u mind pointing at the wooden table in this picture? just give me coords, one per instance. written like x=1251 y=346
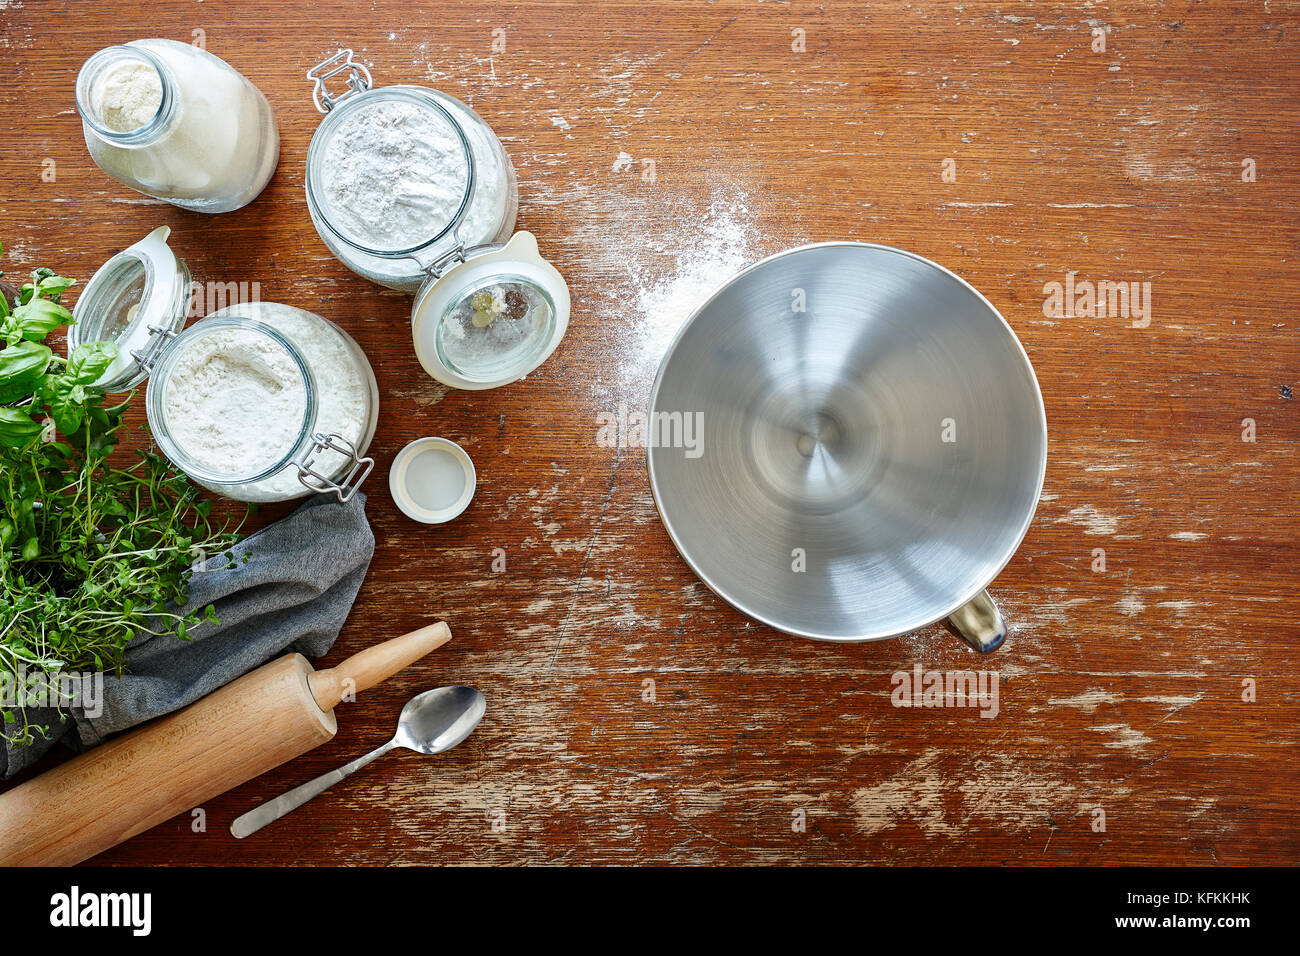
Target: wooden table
x=633 y=717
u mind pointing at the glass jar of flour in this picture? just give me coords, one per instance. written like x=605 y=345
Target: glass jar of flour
x=177 y=123
x=402 y=178
x=258 y=401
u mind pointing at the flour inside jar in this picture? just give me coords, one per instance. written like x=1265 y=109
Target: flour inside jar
x=235 y=402
x=394 y=176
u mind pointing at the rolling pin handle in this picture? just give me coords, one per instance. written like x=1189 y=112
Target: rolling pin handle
x=375 y=664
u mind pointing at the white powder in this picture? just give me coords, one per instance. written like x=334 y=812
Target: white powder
x=235 y=401
x=707 y=247
x=394 y=175
x=127 y=95
x=219 y=144
x=230 y=408
x=719 y=248
x=345 y=401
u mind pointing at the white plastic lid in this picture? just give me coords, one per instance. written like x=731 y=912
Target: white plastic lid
x=432 y=480
x=493 y=318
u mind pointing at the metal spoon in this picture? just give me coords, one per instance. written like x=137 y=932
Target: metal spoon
x=431 y=723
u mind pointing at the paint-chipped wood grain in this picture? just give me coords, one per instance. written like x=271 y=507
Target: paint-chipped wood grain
x=1120 y=690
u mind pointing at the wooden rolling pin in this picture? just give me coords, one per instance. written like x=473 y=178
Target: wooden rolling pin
x=174 y=763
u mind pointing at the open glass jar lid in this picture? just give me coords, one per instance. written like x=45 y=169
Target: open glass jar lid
x=258 y=402
x=492 y=317
x=401 y=177
x=138 y=300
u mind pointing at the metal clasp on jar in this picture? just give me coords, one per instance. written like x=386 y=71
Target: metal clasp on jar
x=436 y=266
x=350 y=482
x=158 y=339
x=358 y=82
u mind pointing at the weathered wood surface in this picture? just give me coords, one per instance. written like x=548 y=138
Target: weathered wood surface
x=1120 y=690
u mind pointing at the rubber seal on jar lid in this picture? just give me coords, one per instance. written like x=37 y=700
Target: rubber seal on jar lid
x=136 y=300
x=493 y=318
x=432 y=480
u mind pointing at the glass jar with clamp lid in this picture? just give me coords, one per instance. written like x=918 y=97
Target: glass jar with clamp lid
x=258 y=401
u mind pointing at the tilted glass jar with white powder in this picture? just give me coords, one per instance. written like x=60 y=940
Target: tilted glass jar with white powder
x=402 y=178
x=258 y=401
x=177 y=123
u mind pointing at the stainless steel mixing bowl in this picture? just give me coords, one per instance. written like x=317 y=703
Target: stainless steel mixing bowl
x=847 y=442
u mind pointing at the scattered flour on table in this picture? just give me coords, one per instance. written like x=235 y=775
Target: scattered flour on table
x=704 y=250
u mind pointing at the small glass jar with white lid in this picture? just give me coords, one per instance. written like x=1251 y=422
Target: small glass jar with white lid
x=491 y=316
x=258 y=402
x=177 y=123
x=400 y=178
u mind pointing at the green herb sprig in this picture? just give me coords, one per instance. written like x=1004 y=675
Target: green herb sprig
x=91 y=553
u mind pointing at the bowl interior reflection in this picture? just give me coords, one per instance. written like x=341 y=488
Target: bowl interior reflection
x=847 y=442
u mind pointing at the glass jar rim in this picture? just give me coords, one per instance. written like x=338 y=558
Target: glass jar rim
x=98 y=61
x=160 y=377
x=421 y=97
x=527 y=359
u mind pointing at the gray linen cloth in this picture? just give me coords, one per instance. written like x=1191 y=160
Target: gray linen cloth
x=294 y=593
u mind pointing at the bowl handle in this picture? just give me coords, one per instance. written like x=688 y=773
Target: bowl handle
x=979 y=623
